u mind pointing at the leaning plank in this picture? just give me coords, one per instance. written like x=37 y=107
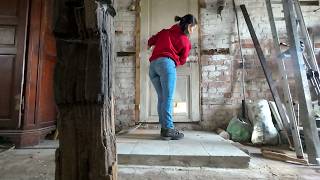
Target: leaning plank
x=281 y=156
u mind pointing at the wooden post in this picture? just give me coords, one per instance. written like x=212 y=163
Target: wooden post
x=83 y=90
x=137 y=81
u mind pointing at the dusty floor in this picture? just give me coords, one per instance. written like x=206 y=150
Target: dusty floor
x=37 y=163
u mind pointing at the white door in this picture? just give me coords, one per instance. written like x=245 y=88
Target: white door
x=156 y=15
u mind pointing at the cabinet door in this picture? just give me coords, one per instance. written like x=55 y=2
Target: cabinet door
x=46 y=108
x=40 y=110
x=13 y=19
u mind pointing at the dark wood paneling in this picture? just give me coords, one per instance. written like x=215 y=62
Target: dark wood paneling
x=39 y=114
x=13 y=23
x=6 y=66
x=8 y=35
x=8 y=42
x=9 y=7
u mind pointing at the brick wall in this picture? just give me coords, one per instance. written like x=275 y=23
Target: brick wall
x=220 y=74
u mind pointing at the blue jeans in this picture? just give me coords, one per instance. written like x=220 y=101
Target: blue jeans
x=162 y=73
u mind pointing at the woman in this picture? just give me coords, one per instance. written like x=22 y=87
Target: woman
x=171 y=49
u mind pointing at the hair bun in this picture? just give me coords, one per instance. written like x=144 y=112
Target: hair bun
x=177 y=18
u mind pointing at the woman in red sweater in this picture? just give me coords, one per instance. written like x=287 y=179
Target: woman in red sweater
x=171 y=49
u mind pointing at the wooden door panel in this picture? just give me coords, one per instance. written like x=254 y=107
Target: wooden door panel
x=7 y=62
x=9 y=7
x=45 y=106
x=7 y=37
x=9 y=11
x=13 y=22
x=40 y=105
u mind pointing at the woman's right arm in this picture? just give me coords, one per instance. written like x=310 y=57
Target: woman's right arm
x=153 y=40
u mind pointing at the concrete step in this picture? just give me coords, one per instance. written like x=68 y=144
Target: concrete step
x=197 y=149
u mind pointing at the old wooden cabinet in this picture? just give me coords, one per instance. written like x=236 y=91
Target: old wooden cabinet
x=27 y=60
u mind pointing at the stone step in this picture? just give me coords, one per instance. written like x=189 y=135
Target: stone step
x=197 y=149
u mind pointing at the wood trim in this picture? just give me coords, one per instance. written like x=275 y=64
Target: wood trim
x=23 y=138
x=45 y=129
x=9 y=20
x=137 y=68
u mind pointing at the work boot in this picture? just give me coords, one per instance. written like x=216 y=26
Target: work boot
x=171 y=134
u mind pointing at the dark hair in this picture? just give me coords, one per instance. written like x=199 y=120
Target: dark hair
x=185 y=21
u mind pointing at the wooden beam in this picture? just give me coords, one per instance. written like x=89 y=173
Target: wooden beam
x=137 y=80
x=83 y=86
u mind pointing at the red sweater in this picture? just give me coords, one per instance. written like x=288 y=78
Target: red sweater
x=172 y=43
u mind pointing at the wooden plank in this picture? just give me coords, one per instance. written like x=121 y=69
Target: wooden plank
x=281 y=156
x=267 y=73
x=137 y=80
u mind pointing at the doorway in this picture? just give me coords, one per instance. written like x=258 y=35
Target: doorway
x=156 y=15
